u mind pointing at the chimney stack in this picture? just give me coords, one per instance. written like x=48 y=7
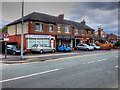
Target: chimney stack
x=99 y=32
x=83 y=22
x=61 y=16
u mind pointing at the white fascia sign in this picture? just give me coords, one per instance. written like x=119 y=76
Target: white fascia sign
x=38 y=36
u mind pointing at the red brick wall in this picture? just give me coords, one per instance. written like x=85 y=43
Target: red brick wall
x=17 y=39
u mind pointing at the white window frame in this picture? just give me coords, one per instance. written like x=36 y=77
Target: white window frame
x=76 y=30
x=50 y=27
x=58 y=28
x=82 y=31
x=67 y=28
x=40 y=26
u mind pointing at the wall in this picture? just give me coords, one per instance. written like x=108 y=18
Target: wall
x=46 y=29
x=16 y=29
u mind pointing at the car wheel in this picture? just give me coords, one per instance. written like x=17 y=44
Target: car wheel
x=87 y=49
x=14 y=53
x=77 y=48
x=41 y=51
x=53 y=50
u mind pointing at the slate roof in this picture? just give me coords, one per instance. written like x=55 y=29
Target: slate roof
x=35 y=16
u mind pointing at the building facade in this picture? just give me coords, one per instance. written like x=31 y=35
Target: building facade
x=101 y=36
x=49 y=30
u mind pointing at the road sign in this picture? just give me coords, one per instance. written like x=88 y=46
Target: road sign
x=6 y=39
x=5 y=34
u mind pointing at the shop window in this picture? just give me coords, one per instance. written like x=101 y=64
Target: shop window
x=38 y=26
x=59 y=27
x=31 y=42
x=41 y=42
x=51 y=27
x=67 y=29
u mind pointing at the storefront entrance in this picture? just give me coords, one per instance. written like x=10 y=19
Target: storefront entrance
x=64 y=40
x=43 y=40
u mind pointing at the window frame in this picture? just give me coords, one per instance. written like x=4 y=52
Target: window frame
x=67 y=28
x=50 y=27
x=75 y=30
x=40 y=26
x=58 y=27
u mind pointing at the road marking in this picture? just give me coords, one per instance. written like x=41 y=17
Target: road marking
x=91 y=62
x=96 y=61
x=63 y=58
x=102 y=60
x=26 y=76
x=116 y=66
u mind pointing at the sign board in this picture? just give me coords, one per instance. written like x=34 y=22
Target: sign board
x=5 y=34
x=64 y=37
x=6 y=39
x=38 y=36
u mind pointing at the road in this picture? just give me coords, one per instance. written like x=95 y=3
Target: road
x=97 y=70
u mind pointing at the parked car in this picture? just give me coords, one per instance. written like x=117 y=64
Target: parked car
x=42 y=48
x=64 y=48
x=84 y=47
x=96 y=47
x=14 y=50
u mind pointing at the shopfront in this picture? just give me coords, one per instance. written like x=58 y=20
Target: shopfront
x=65 y=39
x=46 y=40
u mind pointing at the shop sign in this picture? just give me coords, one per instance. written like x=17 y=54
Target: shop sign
x=64 y=37
x=38 y=36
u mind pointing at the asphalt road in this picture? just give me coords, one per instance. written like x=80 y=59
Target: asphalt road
x=98 y=70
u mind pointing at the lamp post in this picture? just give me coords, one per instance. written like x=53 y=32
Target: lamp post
x=22 y=38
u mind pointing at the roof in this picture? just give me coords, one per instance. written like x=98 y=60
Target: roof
x=35 y=16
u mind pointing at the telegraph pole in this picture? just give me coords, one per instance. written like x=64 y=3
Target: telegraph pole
x=22 y=30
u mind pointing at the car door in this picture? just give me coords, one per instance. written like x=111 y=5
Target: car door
x=80 y=46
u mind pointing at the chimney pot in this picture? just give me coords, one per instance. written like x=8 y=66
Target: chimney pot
x=61 y=16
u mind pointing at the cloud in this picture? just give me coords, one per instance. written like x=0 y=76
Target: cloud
x=97 y=14
x=3 y=23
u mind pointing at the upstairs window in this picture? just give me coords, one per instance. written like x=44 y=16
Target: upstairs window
x=50 y=27
x=82 y=31
x=59 y=27
x=67 y=29
x=92 y=32
x=38 y=26
x=87 y=31
x=76 y=30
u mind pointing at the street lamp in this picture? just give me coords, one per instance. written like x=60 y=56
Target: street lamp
x=22 y=30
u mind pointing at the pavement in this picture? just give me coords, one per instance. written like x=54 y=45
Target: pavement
x=97 y=69
x=11 y=59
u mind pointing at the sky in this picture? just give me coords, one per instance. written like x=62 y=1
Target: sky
x=96 y=14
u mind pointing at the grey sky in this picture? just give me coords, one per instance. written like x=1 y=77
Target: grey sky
x=96 y=14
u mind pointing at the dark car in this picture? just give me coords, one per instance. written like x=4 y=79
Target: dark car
x=64 y=48
x=14 y=50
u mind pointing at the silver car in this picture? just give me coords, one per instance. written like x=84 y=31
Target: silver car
x=42 y=48
x=96 y=47
x=84 y=47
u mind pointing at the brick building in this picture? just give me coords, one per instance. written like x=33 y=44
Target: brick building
x=101 y=35
x=112 y=37
x=49 y=30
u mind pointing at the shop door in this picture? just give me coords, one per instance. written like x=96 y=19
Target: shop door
x=52 y=43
